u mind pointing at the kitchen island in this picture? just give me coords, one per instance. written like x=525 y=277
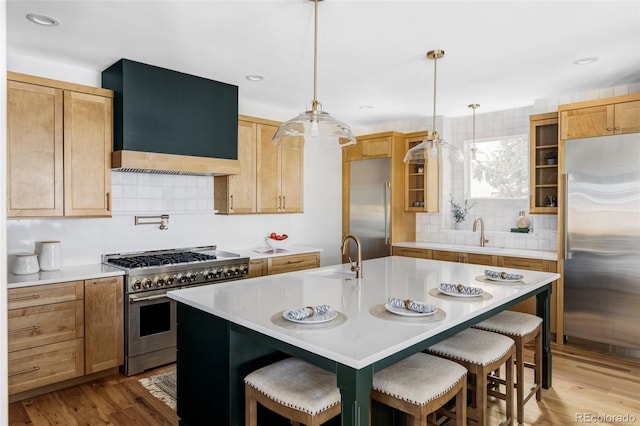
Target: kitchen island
x=227 y=330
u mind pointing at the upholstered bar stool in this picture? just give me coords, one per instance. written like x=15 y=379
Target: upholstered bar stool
x=295 y=389
x=523 y=329
x=420 y=385
x=481 y=352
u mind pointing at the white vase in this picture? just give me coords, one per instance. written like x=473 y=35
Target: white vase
x=50 y=256
x=459 y=226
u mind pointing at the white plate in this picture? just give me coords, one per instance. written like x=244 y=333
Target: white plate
x=314 y=319
x=502 y=280
x=407 y=312
x=456 y=294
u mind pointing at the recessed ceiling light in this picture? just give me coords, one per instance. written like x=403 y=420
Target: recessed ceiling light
x=365 y=107
x=585 y=61
x=45 y=20
x=254 y=77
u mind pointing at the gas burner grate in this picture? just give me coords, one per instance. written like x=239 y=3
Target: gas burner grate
x=142 y=261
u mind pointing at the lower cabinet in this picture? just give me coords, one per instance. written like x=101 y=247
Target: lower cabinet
x=63 y=331
x=529 y=305
x=282 y=264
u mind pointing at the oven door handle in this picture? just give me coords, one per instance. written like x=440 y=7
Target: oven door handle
x=134 y=299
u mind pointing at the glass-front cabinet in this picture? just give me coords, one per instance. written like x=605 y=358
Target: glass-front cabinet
x=421 y=180
x=543 y=140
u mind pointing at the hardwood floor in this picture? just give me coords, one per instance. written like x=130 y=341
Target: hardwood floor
x=585 y=383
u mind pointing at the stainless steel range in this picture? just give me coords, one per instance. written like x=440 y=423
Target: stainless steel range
x=150 y=316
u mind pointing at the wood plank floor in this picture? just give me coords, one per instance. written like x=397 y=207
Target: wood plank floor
x=585 y=383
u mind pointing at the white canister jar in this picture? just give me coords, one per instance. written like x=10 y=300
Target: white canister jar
x=50 y=255
x=25 y=263
x=523 y=222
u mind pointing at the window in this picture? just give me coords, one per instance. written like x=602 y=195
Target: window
x=500 y=168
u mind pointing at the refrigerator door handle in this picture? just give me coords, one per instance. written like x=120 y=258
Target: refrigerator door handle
x=387 y=209
x=565 y=215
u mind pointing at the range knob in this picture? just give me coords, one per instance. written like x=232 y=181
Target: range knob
x=192 y=277
x=228 y=272
x=137 y=285
x=236 y=271
x=148 y=283
x=245 y=269
x=170 y=280
x=209 y=275
x=183 y=279
x=219 y=273
x=160 y=282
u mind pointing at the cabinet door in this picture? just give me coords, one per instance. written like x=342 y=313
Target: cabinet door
x=34 y=150
x=268 y=178
x=412 y=252
x=543 y=170
x=481 y=259
x=291 y=166
x=88 y=142
x=627 y=117
x=242 y=187
x=587 y=122
x=257 y=268
x=104 y=333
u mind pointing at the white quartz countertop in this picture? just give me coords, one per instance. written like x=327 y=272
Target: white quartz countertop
x=361 y=338
x=69 y=273
x=266 y=252
x=498 y=251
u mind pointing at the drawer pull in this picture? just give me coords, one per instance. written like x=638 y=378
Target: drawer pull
x=31 y=296
x=29 y=370
x=113 y=280
x=21 y=330
x=290 y=262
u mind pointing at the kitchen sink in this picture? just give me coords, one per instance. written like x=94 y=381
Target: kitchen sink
x=334 y=274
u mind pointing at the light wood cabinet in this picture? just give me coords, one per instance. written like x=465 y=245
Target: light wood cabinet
x=376 y=146
x=601 y=117
x=257 y=268
x=412 y=252
x=295 y=262
x=461 y=257
x=104 y=328
x=45 y=335
x=59 y=148
x=543 y=157
x=422 y=181
x=271 y=177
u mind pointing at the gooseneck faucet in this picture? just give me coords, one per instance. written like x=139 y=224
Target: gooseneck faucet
x=483 y=240
x=357 y=267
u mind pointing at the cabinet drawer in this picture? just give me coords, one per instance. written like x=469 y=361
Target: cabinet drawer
x=36 y=295
x=42 y=325
x=412 y=252
x=521 y=263
x=32 y=368
x=279 y=265
x=257 y=268
x=481 y=259
x=378 y=147
x=449 y=256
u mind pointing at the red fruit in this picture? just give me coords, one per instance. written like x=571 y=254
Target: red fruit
x=285 y=236
x=273 y=235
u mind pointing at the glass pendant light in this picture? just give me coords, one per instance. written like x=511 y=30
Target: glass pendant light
x=474 y=148
x=315 y=122
x=430 y=146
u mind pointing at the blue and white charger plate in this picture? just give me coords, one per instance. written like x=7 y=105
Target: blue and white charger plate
x=313 y=319
x=408 y=312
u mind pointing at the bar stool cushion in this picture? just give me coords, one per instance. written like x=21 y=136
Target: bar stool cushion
x=295 y=383
x=475 y=346
x=511 y=323
x=419 y=379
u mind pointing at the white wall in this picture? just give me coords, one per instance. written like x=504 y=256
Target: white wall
x=4 y=416
x=191 y=223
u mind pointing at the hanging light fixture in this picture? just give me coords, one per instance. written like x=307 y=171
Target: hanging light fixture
x=428 y=147
x=315 y=122
x=474 y=148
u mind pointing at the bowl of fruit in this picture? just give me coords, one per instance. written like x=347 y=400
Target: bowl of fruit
x=277 y=241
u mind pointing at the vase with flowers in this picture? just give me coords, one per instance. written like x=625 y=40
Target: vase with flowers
x=460 y=211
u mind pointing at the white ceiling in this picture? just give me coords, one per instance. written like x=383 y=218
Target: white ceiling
x=500 y=54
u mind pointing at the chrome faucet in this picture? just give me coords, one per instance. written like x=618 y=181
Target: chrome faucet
x=483 y=240
x=357 y=268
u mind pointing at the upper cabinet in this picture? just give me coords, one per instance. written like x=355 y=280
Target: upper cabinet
x=543 y=172
x=601 y=117
x=59 y=143
x=422 y=181
x=271 y=177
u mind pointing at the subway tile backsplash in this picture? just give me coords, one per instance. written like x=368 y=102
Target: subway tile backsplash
x=160 y=193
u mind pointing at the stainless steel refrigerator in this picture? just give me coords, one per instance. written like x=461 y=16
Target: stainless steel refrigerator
x=370 y=206
x=602 y=239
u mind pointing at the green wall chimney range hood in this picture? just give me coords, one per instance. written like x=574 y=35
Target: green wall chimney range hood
x=170 y=122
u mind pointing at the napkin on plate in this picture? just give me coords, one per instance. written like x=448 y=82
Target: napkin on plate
x=308 y=311
x=411 y=305
x=502 y=275
x=462 y=289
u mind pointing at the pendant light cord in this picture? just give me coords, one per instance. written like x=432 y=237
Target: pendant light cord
x=435 y=71
x=314 y=103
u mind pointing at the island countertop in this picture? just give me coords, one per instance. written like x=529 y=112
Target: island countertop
x=362 y=337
